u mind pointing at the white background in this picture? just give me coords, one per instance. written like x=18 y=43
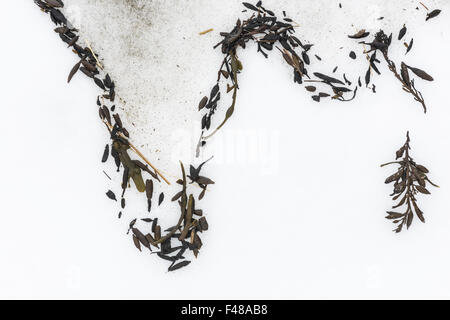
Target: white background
x=309 y=223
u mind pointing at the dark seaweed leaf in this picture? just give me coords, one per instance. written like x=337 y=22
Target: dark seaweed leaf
x=421 y=74
x=250 y=6
x=402 y=32
x=105 y=154
x=410 y=45
x=179 y=265
x=111 y=195
x=360 y=34
x=433 y=14
x=149 y=189
x=137 y=243
x=408 y=181
x=327 y=78
x=74 y=70
x=99 y=83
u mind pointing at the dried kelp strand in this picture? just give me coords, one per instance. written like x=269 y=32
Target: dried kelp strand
x=305 y=57
x=54 y=3
x=335 y=69
x=402 y=32
x=382 y=43
x=421 y=74
x=161 y=198
x=433 y=14
x=105 y=154
x=148 y=220
x=111 y=195
x=122 y=203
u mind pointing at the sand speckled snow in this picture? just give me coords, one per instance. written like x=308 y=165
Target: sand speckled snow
x=162 y=66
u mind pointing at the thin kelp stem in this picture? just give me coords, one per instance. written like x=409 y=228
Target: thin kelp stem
x=236 y=67
x=406 y=87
